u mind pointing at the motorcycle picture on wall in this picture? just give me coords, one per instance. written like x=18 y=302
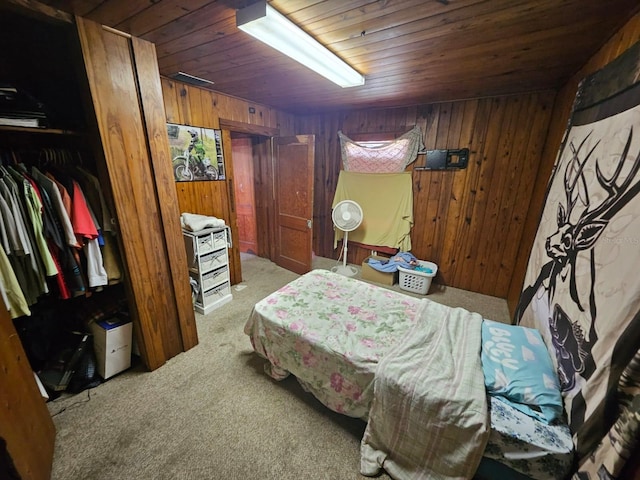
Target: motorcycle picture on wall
x=196 y=153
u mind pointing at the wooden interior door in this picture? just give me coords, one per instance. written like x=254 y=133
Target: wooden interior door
x=293 y=170
x=135 y=163
x=25 y=423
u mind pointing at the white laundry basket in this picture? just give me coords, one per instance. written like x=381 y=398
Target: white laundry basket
x=416 y=281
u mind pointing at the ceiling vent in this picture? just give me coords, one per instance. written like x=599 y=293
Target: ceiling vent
x=191 y=80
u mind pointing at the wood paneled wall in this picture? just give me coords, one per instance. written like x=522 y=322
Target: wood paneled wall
x=476 y=224
x=628 y=35
x=186 y=104
x=189 y=105
x=470 y=221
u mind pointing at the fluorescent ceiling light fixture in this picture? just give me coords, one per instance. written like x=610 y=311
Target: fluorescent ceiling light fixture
x=263 y=22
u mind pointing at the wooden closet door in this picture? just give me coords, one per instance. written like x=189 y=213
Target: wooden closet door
x=25 y=422
x=125 y=90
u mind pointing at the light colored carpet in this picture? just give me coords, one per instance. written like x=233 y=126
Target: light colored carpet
x=211 y=412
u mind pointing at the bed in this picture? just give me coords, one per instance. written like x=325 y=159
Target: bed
x=370 y=353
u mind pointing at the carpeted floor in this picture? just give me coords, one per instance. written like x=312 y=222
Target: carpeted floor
x=211 y=412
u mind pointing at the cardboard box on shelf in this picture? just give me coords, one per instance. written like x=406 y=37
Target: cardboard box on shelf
x=373 y=275
x=112 y=340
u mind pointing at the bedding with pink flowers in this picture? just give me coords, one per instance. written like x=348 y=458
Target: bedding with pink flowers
x=330 y=332
x=336 y=335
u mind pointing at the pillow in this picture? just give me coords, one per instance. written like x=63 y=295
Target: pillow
x=518 y=369
x=386 y=159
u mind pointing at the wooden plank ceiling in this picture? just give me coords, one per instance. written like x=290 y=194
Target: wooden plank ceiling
x=410 y=51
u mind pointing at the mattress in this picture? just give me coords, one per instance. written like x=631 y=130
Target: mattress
x=331 y=331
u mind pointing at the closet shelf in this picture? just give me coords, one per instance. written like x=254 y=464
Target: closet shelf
x=38 y=130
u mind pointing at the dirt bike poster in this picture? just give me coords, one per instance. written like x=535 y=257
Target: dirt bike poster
x=196 y=153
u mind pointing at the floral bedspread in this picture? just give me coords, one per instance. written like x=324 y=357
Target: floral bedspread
x=330 y=331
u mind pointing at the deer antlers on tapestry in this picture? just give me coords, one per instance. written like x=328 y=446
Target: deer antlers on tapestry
x=578 y=230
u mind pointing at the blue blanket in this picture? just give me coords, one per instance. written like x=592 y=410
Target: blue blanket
x=403 y=259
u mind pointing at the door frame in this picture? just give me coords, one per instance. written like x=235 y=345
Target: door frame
x=266 y=195
x=268 y=133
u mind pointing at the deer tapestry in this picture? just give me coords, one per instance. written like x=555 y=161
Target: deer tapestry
x=582 y=287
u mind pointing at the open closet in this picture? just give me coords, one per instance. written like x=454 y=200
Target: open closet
x=100 y=93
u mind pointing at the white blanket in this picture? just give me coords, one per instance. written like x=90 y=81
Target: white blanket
x=195 y=222
x=429 y=416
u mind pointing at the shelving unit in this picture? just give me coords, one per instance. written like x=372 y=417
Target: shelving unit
x=38 y=130
x=208 y=262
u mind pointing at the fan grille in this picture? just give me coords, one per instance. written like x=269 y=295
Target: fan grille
x=347 y=215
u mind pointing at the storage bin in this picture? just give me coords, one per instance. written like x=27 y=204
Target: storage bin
x=215 y=295
x=416 y=281
x=370 y=273
x=214 y=278
x=213 y=260
x=205 y=244
x=220 y=240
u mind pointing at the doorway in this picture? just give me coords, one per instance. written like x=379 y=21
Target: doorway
x=243 y=184
x=251 y=159
x=272 y=191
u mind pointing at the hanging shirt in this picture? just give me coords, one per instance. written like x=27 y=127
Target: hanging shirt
x=70 y=280
x=56 y=200
x=104 y=221
x=111 y=259
x=20 y=244
x=21 y=189
x=65 y=194
x=95 y=198
x=96 y=274
x=83 y=225
x=26 y=264
x=9 y=229
x=16 y=302
x=34 y=210
x=86 y=231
